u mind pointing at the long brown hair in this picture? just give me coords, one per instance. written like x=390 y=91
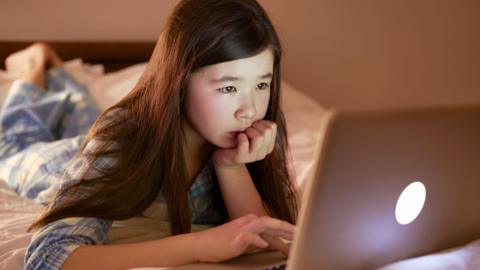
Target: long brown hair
x=146 y=128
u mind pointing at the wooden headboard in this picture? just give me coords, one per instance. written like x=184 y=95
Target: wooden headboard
x=114 y=55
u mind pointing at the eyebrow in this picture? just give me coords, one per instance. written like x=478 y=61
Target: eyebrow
x=231 y=78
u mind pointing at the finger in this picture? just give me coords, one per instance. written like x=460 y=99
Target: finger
x=284 y=235
x=264 y=127
x=248 y=238
x=271 y=129
x=264 y=223
x=253 y=249
x=274 y=137
x=272 y=145
x=257 y=141
x=245 y=219
x=277 y=244
x=243 y=144
x=278 y=224
x=249 y=249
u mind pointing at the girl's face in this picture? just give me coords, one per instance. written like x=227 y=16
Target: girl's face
x=228 y=97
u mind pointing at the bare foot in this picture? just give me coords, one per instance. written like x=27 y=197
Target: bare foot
x=53 y=60
x=30 y=64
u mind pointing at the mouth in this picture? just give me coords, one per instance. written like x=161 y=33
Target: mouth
x=234 y=134
x=240 y=130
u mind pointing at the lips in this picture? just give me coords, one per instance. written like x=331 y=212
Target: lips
x=235 y=133
x=241 y=130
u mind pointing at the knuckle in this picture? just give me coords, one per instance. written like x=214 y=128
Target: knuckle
x=264 y=219
x=242 y=237
x=248 y=218
x=252 y=133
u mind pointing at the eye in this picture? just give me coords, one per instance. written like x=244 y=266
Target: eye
x=227 y=89
x=265 y=86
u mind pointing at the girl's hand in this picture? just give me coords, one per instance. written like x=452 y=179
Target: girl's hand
x=235 y=237
x=262 y=135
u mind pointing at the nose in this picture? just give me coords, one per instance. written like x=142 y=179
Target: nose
x=247 y=110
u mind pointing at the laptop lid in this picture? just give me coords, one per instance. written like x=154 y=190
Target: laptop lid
x=348 y=214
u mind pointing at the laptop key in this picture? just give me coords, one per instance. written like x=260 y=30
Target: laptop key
x=277 y=267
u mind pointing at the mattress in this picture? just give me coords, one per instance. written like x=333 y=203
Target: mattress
x=303 y=116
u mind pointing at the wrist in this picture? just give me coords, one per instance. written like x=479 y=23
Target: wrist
x=197 y=249
x=228 y=168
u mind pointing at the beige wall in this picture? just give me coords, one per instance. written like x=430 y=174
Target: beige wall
x=83 y=19
x=358 y=54
x=344 y=53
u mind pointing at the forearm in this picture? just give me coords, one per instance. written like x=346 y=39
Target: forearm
x=239 y=192
x=166 y=252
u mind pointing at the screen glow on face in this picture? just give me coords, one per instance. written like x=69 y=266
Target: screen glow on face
x=410 y=203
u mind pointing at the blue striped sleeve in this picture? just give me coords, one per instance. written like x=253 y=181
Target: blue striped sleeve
x=54 y=242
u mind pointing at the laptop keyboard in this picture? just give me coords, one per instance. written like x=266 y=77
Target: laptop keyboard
x=277 y=267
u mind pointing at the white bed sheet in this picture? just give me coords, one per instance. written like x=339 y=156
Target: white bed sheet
x=303 y=117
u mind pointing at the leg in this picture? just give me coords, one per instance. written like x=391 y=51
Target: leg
x=37 y=172
x=29 y=64
x=82 y=110
x=32 y=158
x=30 y=114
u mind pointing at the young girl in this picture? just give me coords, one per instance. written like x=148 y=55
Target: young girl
x=201 y=132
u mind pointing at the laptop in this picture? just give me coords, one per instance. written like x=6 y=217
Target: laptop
x=372 y=163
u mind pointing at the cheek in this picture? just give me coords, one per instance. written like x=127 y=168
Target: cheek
x=216 y=117
x=263 y=105
x=208 y=113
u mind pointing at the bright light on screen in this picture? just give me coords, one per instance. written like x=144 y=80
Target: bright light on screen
x=410 y=203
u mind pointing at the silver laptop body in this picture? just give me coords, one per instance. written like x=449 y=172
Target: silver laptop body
x=347 y=218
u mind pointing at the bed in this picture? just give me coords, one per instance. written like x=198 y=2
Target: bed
x=110 y=70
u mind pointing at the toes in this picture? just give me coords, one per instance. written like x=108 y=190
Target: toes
x=29 y=64
x=51 y=57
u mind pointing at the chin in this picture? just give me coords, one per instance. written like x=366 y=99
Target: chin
x=225 y=142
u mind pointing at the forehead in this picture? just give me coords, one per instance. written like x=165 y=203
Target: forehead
x=248 y=68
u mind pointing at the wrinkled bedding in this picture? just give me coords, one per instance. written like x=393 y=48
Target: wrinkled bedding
x=303 y=117
x=16 y=213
